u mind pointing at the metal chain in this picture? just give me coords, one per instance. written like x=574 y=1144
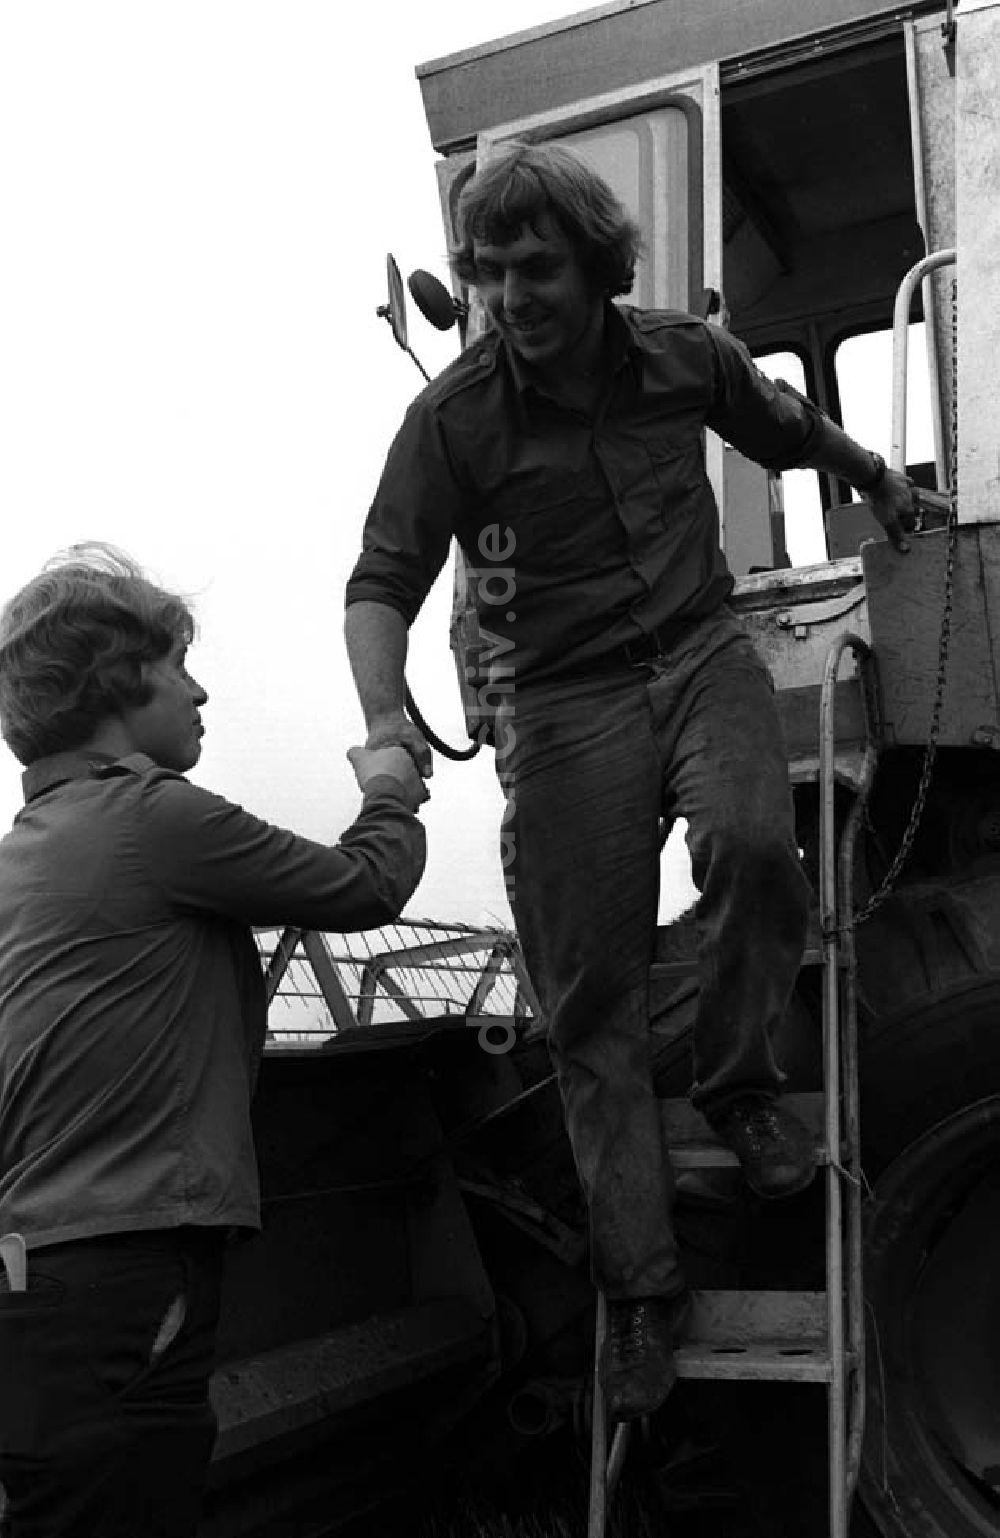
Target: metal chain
x=906 y=845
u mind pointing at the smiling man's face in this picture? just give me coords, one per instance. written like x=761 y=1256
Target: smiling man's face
x=540 y=298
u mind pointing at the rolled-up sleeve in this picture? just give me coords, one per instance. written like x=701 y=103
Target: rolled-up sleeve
x=751 y=412
x=415 y=512
x=208 y=854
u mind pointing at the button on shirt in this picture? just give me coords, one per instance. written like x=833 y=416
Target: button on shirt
x=581 y=533
x=132 y=1006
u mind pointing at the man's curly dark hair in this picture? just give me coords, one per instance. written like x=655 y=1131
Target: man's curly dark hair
x=523 y=182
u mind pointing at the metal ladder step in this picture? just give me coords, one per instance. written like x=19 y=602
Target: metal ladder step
x=682 y=970
x=813 y=954
x=848 y=769
x=799 y=710
x=761 y=1336
x=693 y=1145
x=738 y=1336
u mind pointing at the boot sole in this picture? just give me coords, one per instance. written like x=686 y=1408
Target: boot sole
x=793 y=1189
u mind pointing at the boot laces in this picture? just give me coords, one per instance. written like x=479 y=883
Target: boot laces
x=627 y=1326
x=761 y=1122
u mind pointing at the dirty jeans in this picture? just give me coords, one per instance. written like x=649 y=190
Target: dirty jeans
x=588 y=769
x=106 y=1430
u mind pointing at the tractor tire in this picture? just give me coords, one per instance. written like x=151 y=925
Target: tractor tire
x=930 y=1117
x=931 y=1128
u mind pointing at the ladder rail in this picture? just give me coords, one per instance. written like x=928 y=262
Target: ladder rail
x=605 y=1466
x=840 y=1079
x=598 y=1427
x=852 y=1159
x=850 y=1075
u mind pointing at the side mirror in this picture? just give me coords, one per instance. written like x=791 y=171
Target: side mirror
x=432 y=299
x=395 y=310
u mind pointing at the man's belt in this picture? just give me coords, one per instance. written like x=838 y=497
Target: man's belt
x=628 y=654
x=652 y=644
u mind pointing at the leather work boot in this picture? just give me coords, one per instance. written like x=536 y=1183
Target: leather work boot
x=639 y=1369
x=774 y=1149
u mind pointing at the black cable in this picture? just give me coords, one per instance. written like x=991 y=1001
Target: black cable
x=459 y=755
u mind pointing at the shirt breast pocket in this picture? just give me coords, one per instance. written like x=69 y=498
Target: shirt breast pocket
x=557 y=523
x=674 y=468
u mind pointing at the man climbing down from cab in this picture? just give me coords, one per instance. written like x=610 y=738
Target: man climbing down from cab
x=564 y=451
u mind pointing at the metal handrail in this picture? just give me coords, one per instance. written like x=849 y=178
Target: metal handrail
x=900 y=346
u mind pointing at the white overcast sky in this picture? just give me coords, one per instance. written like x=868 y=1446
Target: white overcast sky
x=197 y=200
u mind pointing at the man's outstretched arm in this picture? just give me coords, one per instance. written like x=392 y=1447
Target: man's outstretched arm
x=376 y=635
x=890 y=497
x=771 y=422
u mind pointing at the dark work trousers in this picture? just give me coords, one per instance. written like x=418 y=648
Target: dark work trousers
x=588 y=769
x=106 y=1430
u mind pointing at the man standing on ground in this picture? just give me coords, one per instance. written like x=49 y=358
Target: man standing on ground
x=132 y=1022
x=564 y=451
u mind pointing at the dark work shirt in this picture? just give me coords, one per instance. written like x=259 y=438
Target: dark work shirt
x=581 y=532
x=132 y=1005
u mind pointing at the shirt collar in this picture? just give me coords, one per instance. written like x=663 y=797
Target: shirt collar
x=59 y=768
x=635 y=344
